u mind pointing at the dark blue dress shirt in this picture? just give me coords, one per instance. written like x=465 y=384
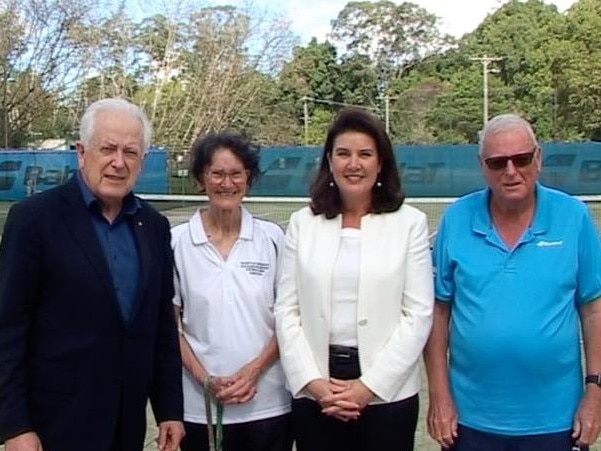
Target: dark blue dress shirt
x=119 y=246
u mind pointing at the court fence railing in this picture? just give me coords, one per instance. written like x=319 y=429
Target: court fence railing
x=179 y=208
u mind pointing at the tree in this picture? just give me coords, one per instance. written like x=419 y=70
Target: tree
x=310 y=80
x=358 y=81
x=394 y=37
x=576 y=68
x=38 y=62
x=526 y=35
x=410 y=108
x=209 y=71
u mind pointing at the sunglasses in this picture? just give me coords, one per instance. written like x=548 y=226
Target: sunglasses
x=519 y=160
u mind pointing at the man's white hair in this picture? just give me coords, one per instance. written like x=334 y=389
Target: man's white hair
x=88 y=120
x=503 y=123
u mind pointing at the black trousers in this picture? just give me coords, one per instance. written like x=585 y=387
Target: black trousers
x=117 y=444
x=381 y=427
x=271 y=434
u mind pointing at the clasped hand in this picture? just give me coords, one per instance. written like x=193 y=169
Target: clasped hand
x=238 y=388
x=341 y=399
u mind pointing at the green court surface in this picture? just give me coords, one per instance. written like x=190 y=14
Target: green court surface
x=279 y=212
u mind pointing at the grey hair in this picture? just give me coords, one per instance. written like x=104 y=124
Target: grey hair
x=88 y=120
x=504 y=123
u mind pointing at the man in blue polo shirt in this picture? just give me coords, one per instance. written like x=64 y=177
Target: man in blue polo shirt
x=518 y=273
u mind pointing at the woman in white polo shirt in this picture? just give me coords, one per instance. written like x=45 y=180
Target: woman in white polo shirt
x=226 y=274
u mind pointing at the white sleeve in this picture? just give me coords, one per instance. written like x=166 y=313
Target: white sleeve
x=295 y=352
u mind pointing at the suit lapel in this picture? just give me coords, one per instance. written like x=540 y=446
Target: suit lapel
x=140 y=226
x=79 y=222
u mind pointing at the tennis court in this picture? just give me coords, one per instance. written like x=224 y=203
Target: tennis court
x=279 y=209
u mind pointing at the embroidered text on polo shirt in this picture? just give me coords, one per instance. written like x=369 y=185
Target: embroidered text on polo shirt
x=255 y=268
x=543 y=243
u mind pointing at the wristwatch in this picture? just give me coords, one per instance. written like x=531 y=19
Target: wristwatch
x=593 y=379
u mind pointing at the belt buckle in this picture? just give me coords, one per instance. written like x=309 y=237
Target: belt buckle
x=340 y=351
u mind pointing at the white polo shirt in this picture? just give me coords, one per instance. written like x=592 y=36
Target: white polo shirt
x=227 y=312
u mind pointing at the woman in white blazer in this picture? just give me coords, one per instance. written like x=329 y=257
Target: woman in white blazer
x=355 y=298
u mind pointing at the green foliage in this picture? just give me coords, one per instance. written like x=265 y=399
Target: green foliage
x=358 y=81
x=318 y=126
x=392 y=35
x=529 y=37
x=577 y=72
x=222 y=67
x=312 y=72
x=410 y=109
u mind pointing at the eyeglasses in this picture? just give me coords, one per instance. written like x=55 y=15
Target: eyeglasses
x=519 y=160
x=218 y=177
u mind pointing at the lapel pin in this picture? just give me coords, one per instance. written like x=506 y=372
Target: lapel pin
x=139 y=223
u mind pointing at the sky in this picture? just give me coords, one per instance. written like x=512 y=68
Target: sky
x=311 y=18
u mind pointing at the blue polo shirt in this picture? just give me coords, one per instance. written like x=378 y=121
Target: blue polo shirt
x=514 y=333
x=119 y=246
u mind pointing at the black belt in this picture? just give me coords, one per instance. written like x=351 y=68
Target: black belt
x=344 y=352
x=344 y=362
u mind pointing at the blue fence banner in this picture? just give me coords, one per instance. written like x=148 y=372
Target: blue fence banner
x=426 y=171
x=434 y=171
x=26 y=172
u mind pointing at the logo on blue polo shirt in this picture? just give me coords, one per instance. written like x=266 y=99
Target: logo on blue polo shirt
x=543 y=243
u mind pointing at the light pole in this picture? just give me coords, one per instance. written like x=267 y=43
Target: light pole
x=387 y=113
x=306 y=119
x=5 y=123
x=386 y=100
x=485 y=60
x=4 y=106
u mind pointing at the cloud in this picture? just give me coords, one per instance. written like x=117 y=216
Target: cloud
x=311 y=18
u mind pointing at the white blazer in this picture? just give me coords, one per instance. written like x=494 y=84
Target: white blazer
x=395 y=303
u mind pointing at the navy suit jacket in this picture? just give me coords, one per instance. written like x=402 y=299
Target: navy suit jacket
x=70 y=367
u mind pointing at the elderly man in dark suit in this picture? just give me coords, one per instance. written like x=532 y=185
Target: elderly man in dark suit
x=87 y=330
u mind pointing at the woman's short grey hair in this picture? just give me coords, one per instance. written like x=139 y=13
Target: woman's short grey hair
x=503 y=123
x=88 y=120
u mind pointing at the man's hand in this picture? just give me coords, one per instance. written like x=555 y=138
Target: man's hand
x=587 y=420
x=442 y=419
x=29 y=441
x=170 y=434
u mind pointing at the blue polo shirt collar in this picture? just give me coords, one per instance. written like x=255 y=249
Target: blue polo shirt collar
x=542 y=215
x=482 y=220
x=131 y=204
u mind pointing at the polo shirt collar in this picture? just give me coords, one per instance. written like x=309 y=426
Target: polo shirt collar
x=199 y=236
x=130 y=206
x=542 y=214
x=482 y=220
x=197 y=230
x=246 y=228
